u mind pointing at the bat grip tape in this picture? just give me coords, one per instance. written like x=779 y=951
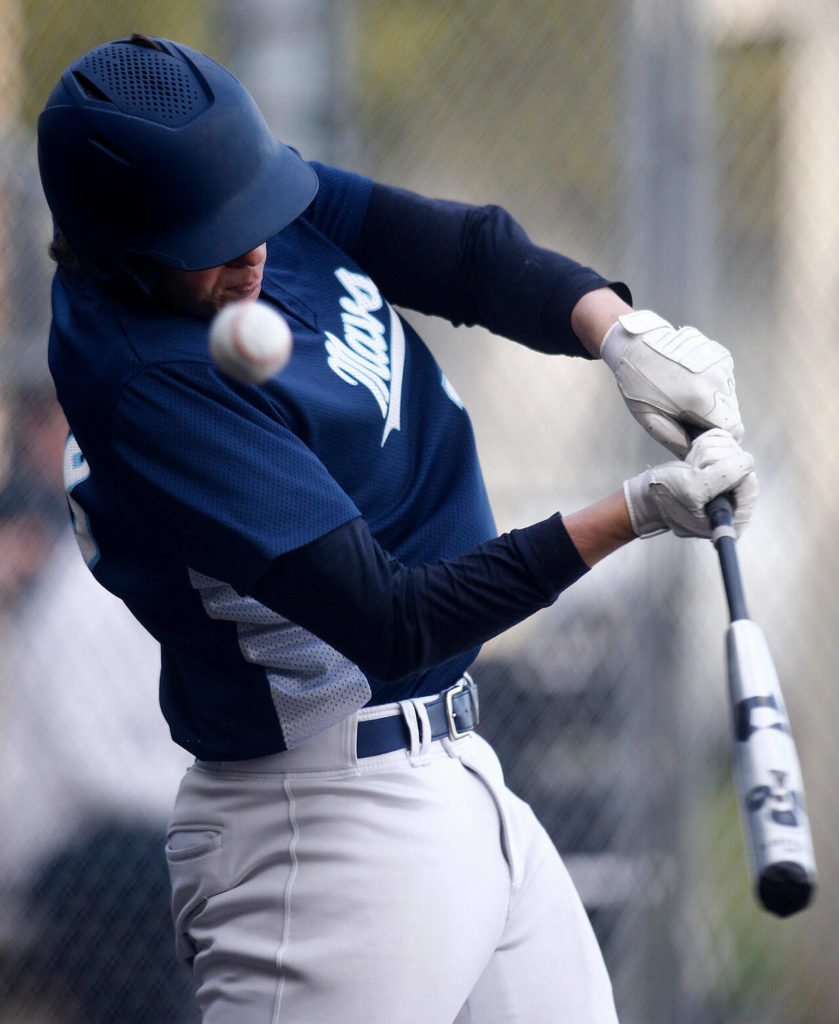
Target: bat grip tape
x=721 y=515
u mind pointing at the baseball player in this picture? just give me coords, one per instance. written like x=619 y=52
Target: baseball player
x=317 y=556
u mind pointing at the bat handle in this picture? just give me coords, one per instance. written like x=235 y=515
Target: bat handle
x=721 y=514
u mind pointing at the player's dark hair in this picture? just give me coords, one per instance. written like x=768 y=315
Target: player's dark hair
x=147 y=41
x=63 y=253
x=145 y=270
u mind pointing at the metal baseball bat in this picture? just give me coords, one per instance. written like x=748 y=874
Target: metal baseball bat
x=767 y=775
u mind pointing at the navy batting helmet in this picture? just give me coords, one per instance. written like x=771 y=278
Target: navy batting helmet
x=150 y=149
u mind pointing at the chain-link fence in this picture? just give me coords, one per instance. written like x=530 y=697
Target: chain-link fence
x=689 y=147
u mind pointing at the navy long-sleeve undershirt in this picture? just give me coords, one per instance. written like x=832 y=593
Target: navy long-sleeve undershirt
x=394 y=621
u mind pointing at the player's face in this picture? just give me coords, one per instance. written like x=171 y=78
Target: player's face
x=206 y=291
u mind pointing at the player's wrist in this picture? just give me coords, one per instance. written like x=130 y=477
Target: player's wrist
x=641 y=507
x=601 y=528
x=594 y=314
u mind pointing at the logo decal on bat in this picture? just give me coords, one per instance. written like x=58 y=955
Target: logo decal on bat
x=755 y=713
x=784 y=803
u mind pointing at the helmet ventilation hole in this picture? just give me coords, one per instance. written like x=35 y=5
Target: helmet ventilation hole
x=142 y=82
x=90 y=90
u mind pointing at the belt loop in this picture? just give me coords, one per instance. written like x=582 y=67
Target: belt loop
x=410 y=715
x=426 y=736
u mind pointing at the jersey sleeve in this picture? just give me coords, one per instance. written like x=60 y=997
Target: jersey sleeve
x=475 y=266
x=340 y=206
x=213 y=470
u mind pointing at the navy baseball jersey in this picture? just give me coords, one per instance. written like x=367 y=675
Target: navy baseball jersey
x=186 y=486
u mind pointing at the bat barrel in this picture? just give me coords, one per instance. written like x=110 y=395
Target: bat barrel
x=768 y=782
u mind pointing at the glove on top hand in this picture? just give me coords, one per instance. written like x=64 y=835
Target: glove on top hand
x=673 y=496
x=669 y=378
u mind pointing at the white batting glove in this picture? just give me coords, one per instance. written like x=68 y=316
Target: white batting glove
x=673 y=496
x=669 y=378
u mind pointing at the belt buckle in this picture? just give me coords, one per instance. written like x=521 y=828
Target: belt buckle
x=451 y=714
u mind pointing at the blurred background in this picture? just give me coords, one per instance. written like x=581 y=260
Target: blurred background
x=687 y=147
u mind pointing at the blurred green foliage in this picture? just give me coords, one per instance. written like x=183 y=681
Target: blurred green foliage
x=55 y=34
x=503 y=94
x=749 y=87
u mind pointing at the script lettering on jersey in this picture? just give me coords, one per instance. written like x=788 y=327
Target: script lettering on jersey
x=362 y=356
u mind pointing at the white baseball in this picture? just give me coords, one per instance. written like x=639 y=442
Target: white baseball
x=250 y=341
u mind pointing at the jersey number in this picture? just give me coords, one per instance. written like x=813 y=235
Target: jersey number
x=76 y=471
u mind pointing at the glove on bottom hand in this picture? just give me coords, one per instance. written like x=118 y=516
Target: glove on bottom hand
x=673 y=496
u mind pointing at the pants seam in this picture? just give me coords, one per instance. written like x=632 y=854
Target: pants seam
x=292 y=875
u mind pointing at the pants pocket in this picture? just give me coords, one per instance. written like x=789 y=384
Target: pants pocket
x=194 y=854
x=188 y=841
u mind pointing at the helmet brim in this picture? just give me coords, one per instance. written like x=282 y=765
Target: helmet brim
x=275 y=198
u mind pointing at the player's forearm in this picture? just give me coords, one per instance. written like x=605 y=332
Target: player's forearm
x=394 y=620
x=601 y=528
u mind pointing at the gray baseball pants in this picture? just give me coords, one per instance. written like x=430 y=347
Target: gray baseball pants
x=317 y=887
